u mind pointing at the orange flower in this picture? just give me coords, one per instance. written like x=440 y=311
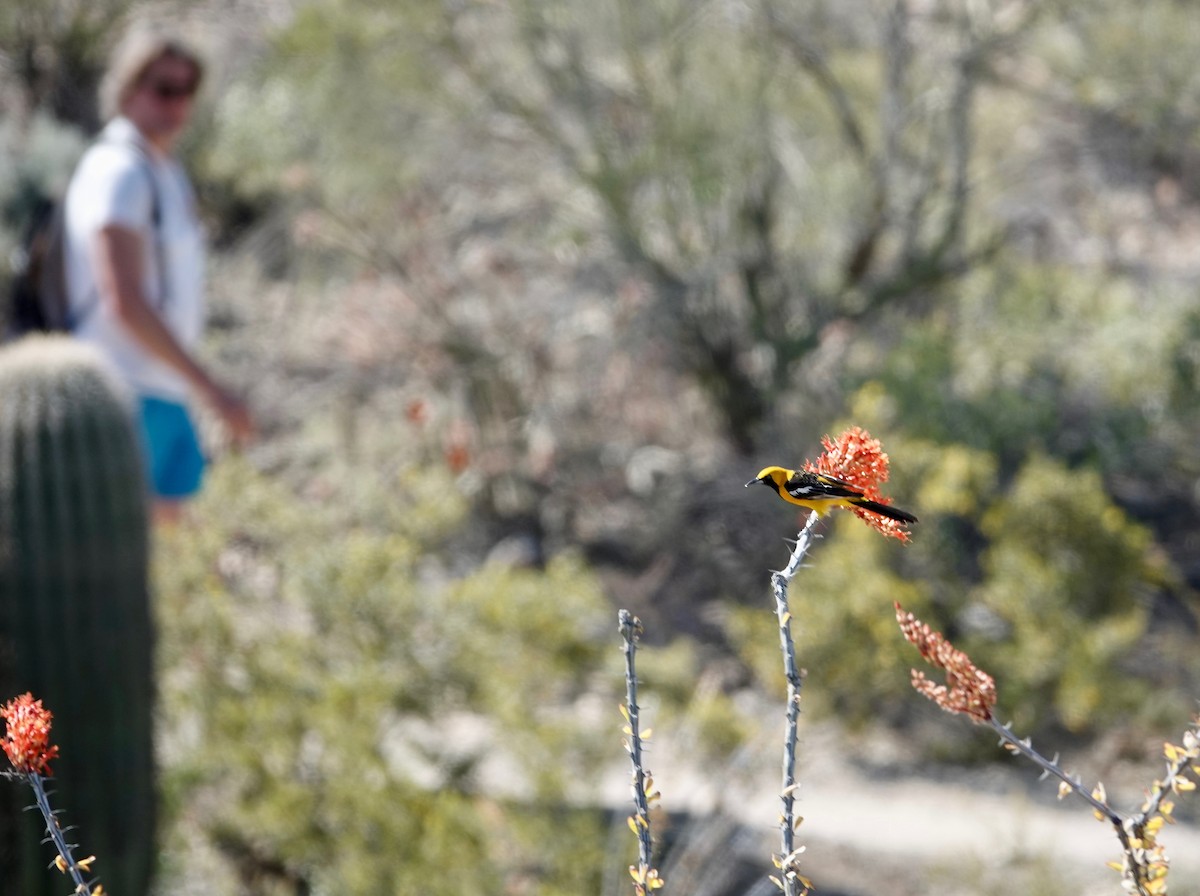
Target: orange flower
x=27 y=740
x=860 y=460
x=968 y=689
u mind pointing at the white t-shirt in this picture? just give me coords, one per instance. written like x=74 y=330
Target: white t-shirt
x=112 y=185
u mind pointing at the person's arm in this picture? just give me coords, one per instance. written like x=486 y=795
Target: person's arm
x=118 y=263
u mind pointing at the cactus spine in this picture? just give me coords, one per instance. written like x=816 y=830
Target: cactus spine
x=75 y=616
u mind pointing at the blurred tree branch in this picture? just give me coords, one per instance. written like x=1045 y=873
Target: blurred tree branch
x=706 y=209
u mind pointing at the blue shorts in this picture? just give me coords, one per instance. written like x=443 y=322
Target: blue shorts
x=174 y=462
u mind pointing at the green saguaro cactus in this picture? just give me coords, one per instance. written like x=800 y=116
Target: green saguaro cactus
x=75 y=616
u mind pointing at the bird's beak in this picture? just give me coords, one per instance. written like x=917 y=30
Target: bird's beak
x=751 y=482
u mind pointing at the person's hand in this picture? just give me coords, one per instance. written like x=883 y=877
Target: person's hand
x=234 y=413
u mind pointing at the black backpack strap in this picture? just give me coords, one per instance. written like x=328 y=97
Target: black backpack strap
x=52 y=272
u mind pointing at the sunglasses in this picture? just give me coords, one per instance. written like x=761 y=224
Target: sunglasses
x=172 y=90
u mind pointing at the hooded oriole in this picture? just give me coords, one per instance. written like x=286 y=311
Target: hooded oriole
x=822 y=493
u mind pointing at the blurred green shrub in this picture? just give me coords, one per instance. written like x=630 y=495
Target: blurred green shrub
x=1038 y=357
x=337 y=700
x=1067 y=578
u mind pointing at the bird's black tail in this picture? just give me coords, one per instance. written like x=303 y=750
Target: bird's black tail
x=892 y=513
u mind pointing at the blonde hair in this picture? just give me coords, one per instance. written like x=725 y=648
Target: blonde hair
x=140 y=49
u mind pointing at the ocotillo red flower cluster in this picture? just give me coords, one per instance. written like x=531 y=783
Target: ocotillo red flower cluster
x=968 y=689
x=858 y=459
x=27 y=735
x=27 y=744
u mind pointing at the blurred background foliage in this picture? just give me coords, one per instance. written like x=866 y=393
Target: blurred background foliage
x=334 y=700
x=524 y=291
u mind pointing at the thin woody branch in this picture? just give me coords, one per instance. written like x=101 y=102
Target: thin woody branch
x=645 y=876
x=792 y=883
x=971 y=692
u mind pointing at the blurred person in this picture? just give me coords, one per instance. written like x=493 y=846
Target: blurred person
x=135 y=257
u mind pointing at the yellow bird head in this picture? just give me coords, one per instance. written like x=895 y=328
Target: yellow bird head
x=774 y=477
